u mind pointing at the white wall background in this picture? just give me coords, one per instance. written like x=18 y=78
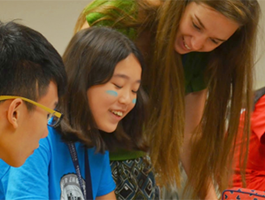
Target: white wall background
x=260 y=65
x=56 y=20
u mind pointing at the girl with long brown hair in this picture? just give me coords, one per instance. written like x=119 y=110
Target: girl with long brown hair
x=200 y=57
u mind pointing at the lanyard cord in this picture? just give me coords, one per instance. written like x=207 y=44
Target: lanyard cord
x=84 y=188
x=88 y=178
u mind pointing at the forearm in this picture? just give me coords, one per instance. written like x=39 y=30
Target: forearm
x=186 y=162
x=211 y=194
x=194 y=107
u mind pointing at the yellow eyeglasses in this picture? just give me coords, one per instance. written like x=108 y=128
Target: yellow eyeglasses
x=54 y=117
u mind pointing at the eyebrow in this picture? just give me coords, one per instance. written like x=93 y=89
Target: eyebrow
x=125 y=77
x=201 y=24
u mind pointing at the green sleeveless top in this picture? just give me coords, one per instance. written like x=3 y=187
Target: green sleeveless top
x=194 y=63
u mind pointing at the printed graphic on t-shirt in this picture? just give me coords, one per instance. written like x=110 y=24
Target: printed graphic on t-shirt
x=70 y=188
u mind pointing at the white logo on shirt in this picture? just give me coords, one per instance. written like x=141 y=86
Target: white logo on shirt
x=70 y=188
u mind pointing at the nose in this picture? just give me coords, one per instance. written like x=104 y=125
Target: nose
x=198 y=42
x=126 y=97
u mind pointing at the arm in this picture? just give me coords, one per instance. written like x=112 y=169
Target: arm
x=211 y=195
x=194 y=106
x=110 y=196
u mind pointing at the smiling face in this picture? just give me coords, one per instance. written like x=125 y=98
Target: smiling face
x=202 y=29
x=112 y=101
x=27 y=127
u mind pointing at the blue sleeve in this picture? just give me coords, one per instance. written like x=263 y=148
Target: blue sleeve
x=107 y=183
x=31 y=180
x=4 y=178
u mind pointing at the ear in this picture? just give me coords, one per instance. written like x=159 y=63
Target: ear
x=14 y=112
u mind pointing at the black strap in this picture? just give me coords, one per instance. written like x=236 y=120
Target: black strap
x=86 y=189
x=88 y=178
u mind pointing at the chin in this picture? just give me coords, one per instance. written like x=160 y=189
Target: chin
x=178 y=50
x=109 y=129
x=16 y=162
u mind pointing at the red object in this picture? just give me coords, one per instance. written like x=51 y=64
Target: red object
x=243 y=194
x=255 y=170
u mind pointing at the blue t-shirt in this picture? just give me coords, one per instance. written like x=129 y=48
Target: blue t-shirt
x=50 y=174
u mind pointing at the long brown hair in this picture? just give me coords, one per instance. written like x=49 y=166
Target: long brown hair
x=231 y=74
x=230 y=80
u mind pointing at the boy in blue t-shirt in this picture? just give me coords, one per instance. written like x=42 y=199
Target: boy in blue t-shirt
x=32 y=77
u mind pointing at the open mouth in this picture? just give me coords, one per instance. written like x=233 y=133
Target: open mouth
x=187 y=47
x=117 y=113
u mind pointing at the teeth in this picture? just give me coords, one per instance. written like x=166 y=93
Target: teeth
x=118 y=113
x=186 y=45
